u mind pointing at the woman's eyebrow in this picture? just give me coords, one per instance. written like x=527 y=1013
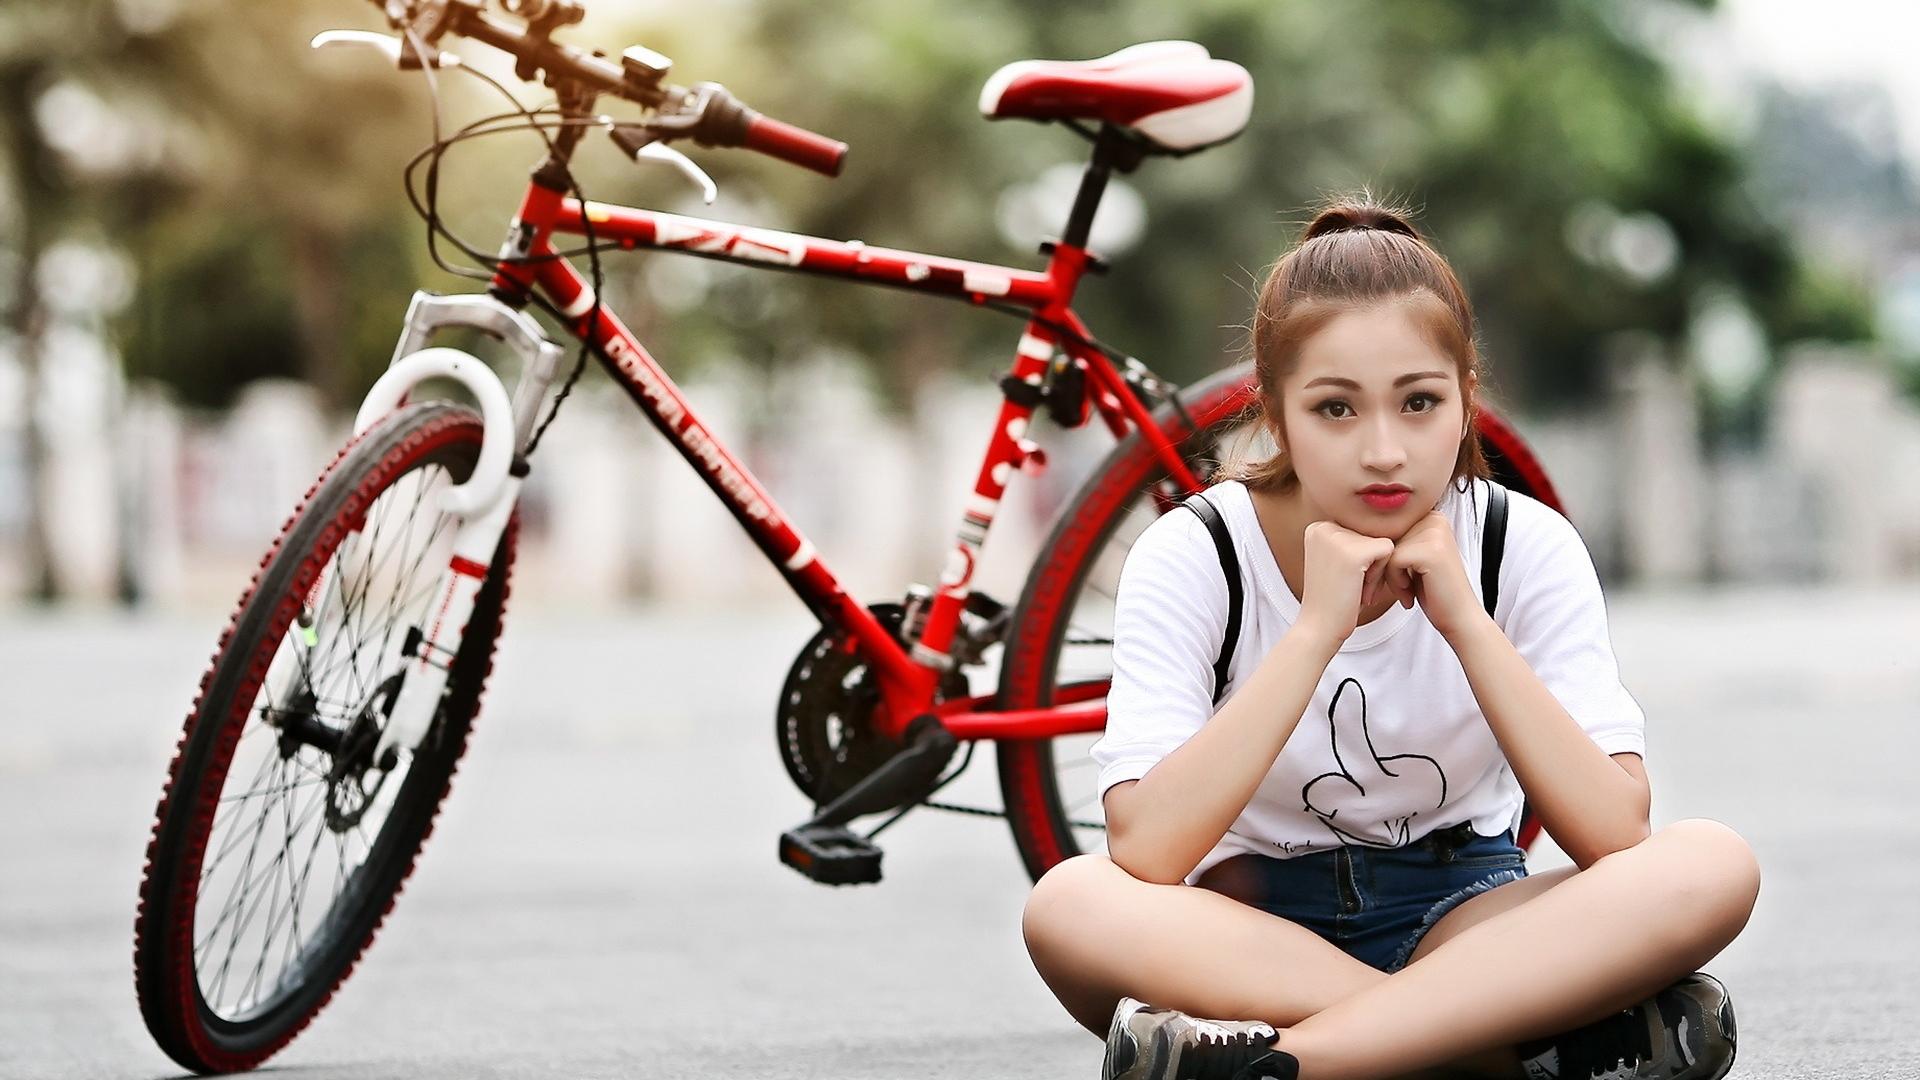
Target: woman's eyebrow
x=1412 y=376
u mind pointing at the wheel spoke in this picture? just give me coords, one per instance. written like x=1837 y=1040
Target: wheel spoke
x=1083 y=628
x=264 y=896
x=280 y=843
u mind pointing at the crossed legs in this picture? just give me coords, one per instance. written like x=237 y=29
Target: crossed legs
x=1528 y=959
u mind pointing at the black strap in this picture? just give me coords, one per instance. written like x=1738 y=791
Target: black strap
x=1492 y=546
x=1230 y=565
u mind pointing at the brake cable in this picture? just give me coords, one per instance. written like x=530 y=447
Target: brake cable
x=436 y=226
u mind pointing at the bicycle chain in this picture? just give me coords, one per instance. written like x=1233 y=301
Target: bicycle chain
x=983 y=812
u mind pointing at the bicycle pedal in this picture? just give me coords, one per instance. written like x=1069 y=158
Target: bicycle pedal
x=831 y=855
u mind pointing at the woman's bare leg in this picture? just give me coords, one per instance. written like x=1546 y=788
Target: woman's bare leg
x=1596 y=942
x=1096 y=933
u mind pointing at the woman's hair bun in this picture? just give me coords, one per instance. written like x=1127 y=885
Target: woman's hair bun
x=1354 y=215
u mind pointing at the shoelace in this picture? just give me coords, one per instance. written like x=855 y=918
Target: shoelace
x=1225 y=1052
x=1610 y=1049
x=1220 y=1035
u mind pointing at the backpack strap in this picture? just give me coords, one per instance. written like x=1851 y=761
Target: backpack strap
x=1493 y=545
x=1209 y=514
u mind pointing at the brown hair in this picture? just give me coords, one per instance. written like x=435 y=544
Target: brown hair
x=1354 y=254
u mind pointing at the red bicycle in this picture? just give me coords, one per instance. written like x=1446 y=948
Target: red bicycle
x=340 y=699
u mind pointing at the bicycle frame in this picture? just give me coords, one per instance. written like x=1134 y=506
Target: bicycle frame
x=907 y=678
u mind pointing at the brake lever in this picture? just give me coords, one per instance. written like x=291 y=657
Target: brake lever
x=392 y=47
x=661 y=152
x=649 y=148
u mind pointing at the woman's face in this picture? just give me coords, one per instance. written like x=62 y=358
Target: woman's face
x=1372 y=402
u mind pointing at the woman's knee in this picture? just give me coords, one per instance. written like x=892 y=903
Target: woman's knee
x=1716 y=871
x=1063 y=896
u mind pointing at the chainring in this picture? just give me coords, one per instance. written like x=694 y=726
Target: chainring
x=823 y=722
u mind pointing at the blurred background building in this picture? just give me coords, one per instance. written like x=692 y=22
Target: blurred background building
x=1692 y=232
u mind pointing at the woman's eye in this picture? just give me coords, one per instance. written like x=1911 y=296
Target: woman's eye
x=1432 y=399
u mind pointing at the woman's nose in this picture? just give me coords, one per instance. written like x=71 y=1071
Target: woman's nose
x=1383 y=448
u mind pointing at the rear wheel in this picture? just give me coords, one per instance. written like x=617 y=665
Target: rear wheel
x=1059 y=647
x=280 y=842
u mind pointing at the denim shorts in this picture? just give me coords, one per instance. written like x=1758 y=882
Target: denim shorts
x=1373 y=903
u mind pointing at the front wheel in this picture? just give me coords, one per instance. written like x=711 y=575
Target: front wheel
x=1061 y=641
x=280 y=841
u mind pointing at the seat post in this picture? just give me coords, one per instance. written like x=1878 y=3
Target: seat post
x=1111 y=150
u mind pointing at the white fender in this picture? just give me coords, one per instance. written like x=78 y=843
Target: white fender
x=390 y=391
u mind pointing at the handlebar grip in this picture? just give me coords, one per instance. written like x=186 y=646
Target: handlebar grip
x=776 y=138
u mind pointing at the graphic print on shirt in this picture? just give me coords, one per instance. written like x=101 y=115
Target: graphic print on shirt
x=1380 y=795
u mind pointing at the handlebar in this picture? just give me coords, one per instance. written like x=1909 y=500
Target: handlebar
x=707 y=113
x=777 y=138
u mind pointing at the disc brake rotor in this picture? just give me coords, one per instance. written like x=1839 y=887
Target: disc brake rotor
x=349 y=794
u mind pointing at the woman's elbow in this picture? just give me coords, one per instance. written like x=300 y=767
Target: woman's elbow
x=1142 y=861
x=1142 y=855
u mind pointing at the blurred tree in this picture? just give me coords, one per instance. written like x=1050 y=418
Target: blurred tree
x=1556 y=162
x=58 y=142
x=172 y=131
x=1828 y=160
x=34 y=187
x=1554 y=159
x=293 y=235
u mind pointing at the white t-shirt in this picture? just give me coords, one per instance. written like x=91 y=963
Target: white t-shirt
x=1393 y=744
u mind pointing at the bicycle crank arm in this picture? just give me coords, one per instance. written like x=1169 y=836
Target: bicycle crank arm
x=825 y=850
x=906 y=776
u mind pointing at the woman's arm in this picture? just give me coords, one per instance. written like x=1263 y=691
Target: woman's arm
x=1160 y=826
x=1592 y=805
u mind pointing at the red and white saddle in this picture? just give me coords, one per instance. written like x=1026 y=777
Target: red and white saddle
x=1170 y=92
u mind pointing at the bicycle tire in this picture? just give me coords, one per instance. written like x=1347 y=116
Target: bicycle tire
x=168 y=975
x=1045 y=828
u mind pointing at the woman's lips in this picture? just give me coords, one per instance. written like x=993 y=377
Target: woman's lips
x=1386 y=500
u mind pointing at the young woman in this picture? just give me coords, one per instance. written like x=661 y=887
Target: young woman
x=1327 y=857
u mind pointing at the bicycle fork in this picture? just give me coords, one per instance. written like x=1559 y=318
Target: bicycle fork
x=482 y=504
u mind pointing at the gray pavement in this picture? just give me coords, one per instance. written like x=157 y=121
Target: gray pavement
x=602 y=897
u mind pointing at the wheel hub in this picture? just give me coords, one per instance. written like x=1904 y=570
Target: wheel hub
x=349 y=795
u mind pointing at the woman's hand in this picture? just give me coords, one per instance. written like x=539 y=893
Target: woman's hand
x=1342 y=566
x=1346 y=572
x=1425 y=566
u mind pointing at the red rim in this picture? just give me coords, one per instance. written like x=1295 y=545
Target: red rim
x=165 y=977
x=1026 y=766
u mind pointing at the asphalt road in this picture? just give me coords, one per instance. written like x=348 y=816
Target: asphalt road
x=602 y=897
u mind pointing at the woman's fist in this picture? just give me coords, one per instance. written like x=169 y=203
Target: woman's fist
x=1347 y=571
x=1342 y=566
x=1426 y=566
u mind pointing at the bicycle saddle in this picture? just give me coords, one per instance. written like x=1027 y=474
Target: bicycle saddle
x=1170 y=92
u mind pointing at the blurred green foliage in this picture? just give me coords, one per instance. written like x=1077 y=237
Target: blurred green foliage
x=1545 y=144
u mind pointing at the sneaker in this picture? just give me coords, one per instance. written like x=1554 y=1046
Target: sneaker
x=1147 y=1043
x=1684 y=1032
